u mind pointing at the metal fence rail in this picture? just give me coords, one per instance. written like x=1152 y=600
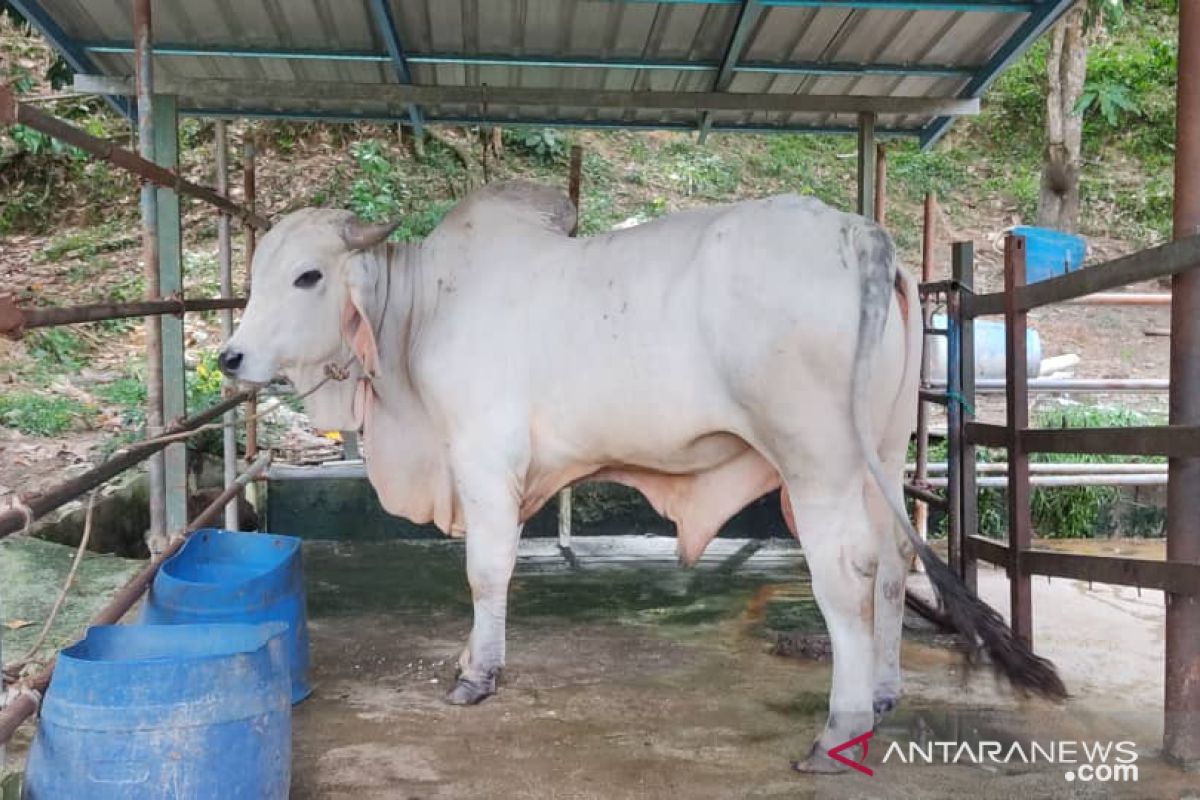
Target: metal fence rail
x=1180 y=442
x=14 y=319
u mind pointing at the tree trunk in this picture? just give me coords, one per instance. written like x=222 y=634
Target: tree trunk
x=1058 y=206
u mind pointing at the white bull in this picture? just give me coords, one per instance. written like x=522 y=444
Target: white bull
x=704 y=358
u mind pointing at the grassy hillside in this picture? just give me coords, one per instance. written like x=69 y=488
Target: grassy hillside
x=69 y=229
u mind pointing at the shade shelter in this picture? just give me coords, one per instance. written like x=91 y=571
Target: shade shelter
x=872 y=68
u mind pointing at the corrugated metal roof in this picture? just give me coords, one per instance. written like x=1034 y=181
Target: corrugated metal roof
x=876 y=48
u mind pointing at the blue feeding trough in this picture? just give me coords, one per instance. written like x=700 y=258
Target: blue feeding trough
x=1049 y=253
x=222 y=576
x=136 y=712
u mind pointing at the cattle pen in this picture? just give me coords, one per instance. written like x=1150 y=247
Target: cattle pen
x=873 y=69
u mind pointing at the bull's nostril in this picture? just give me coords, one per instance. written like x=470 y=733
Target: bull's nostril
x=229 y=361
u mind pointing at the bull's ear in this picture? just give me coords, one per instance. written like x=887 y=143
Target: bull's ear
x=359 y=235
x=361 y=314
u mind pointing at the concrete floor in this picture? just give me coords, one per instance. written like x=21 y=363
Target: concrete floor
x=648 y=681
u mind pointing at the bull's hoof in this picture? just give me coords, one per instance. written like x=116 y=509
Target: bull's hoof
x=819 y=763
x=884 y=704
x=468 y=692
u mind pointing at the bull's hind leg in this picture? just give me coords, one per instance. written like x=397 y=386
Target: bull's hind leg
x=838 y=544
x=894 y=553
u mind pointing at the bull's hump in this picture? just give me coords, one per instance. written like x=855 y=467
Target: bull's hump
x=513 y=203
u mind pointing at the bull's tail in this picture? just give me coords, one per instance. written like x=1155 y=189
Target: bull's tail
x=977 y=622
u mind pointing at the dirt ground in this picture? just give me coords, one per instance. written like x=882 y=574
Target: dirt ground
x=655 y=682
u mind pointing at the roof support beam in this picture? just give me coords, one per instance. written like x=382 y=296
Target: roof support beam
x=986 y=6
x=381 y=11
x=1045 y=15
x=738 y=39
x=548 y=61
x=232 y=94
x=594 y=124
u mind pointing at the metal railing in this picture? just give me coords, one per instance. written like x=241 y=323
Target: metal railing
x=1179 y=577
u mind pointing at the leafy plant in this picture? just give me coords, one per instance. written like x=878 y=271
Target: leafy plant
x=543 y=144
x=204 y=385
x=377 y=191
x=204 y=382
x=1110 y=99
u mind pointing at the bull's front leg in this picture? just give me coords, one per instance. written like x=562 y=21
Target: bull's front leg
x=493 y=532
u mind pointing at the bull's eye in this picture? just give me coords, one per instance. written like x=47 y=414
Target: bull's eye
x=308 y=279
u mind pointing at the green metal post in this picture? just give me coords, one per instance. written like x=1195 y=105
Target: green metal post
x=170 y=270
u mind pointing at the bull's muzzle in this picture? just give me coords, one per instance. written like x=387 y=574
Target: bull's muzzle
x=229 y=361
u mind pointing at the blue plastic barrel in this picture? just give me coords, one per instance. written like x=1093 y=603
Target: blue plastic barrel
x=1049 y=252
x=223 y=576
x=169 y=712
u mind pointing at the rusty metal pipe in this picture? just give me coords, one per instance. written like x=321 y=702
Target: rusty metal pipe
x=1181 y=725
x=937 y=468
x=1046 y=385
x=24 y=706
x=920 y=509
x=1062 y=481
x=13 y=320
x=1020 y=519
x=43 y=503
x=13 y=112
x=1122 y=299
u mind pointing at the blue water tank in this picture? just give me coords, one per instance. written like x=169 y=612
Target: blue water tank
x=1049 y=253
x=224 y=576
x=166 y=712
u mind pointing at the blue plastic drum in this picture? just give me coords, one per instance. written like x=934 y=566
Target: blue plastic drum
x=223 y=576
x=1050 y=253
x=169 y=712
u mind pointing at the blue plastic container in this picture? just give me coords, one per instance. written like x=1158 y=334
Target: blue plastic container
x=183 y=712
x=223 y=576
x=1049 y=253
x=991 y=355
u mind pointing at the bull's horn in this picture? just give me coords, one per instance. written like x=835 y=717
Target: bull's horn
x=359 y=235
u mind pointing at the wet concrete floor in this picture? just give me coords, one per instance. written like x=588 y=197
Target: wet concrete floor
x=631 y=678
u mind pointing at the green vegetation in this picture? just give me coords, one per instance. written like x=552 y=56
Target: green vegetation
x=127 y=393
x=40 y=414
x=56 y=349
x=382 y=189
x=546 y=145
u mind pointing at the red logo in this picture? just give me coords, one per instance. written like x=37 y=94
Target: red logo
x=836 y=752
